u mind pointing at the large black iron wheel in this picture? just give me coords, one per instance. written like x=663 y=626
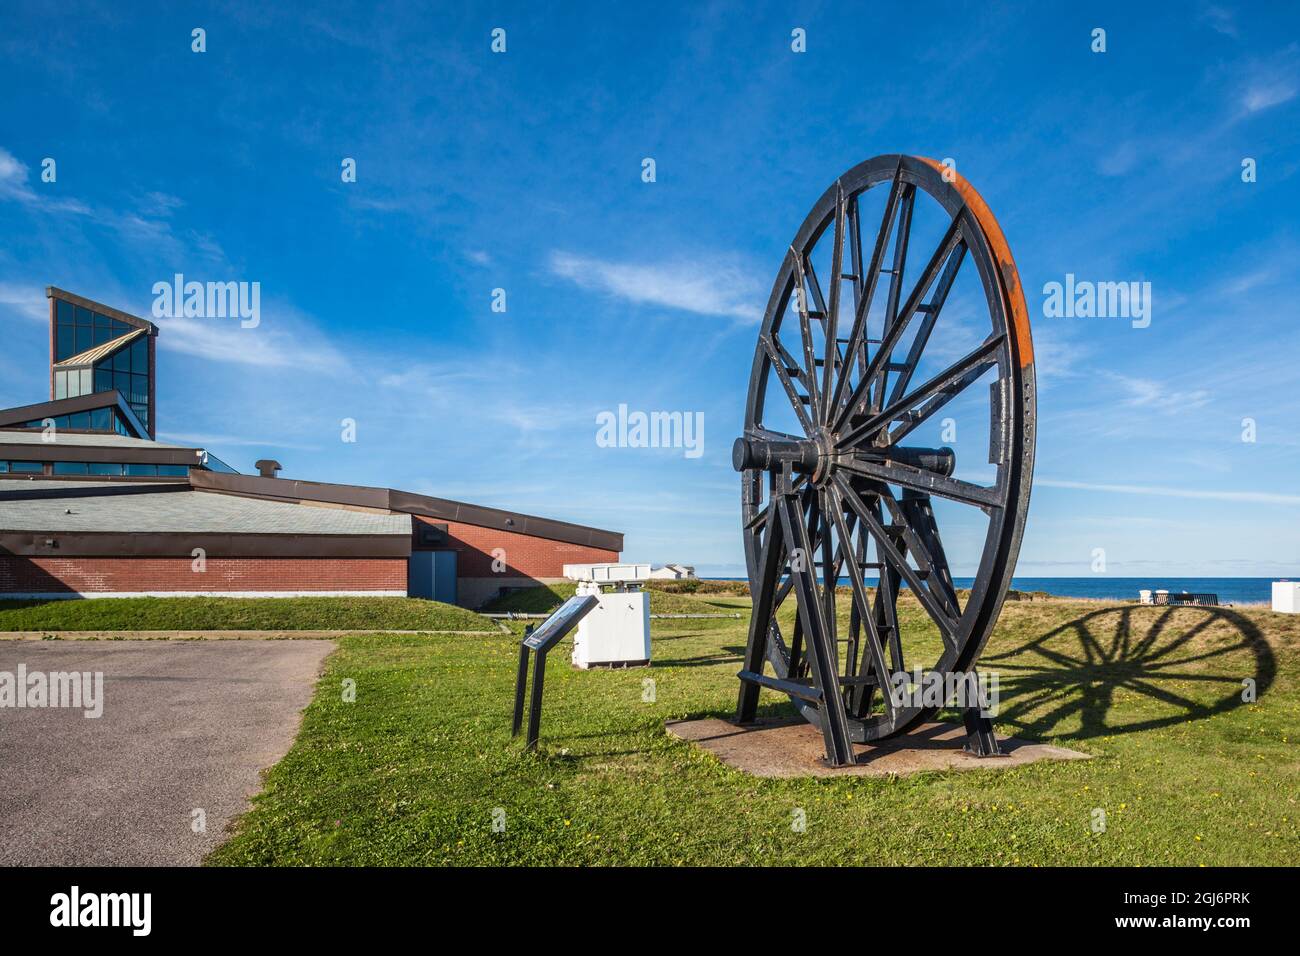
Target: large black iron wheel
x=861 y=349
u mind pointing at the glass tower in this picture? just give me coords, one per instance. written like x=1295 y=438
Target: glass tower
x=95 y=348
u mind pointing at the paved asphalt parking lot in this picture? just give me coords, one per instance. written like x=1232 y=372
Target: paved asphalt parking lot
x=186 y=725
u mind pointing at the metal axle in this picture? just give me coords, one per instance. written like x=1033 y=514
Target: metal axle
x=804 y=456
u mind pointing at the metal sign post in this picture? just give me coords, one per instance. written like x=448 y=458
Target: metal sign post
x=540 y=641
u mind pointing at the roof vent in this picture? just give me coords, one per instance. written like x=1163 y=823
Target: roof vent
x=268 y=467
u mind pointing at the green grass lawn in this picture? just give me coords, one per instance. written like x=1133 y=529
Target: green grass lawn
x=413 y=770
x=222 y=614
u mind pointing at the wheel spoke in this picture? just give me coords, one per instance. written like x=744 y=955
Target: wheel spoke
x=944 y=380
x=821 y=647
x=761 y=615
x=931 y=315
x=925 y=481
x=919 y=416
x=777 y=361
x=921 y=533
x=832 y=353
x=872 y=273
x=888 y=551
x=875 y=650
x=895 y=330
x=902 y=240
x=805 y=335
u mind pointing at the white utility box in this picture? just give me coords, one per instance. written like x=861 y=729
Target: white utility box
x=1286 y=597
x=616 y=632
x=607 y=573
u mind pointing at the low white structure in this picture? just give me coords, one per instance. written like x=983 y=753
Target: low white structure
x=607 y=573
x=616 y=633
x=1286 y=597
x=673 y=572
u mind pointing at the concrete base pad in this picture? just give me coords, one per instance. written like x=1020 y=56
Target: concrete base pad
x=792 y=747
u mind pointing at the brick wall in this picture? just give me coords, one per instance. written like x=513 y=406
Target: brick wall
x=40 y=575
x=525 y=556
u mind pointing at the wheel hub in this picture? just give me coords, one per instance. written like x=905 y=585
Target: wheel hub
x=819 y=456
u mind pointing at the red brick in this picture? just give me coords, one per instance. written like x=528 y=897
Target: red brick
x=57 y=575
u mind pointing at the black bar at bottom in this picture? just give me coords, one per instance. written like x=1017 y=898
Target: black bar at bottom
x=793 y=688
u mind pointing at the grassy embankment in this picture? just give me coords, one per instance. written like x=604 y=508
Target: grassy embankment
x=229 y=614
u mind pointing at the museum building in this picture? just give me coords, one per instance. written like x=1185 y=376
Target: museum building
x=92 y=505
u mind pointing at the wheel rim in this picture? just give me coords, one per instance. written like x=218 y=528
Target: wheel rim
x=840 y=465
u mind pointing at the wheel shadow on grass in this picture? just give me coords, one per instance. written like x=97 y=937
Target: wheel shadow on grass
x=1078 y=670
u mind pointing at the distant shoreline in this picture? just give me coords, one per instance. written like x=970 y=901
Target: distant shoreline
x=1239 y=591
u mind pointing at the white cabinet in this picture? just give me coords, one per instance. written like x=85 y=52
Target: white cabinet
x=615 y=633
x=1286 y=597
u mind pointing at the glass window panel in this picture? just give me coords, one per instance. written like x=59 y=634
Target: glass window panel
x=141 y=385
x=122 y=381
x=63 y=310
x=105 y=468
x=120 y=328
x=79 y=420
x=64 y=342
x=140 y=355
x=172 y=471
x=85 y=381
x=70 y=468
x=60 y=385
x=26 y=467
x=101 y=419
x=103 y=321
x=84 y=317
x=142 y=471
x=83 y=339
x=103 y=380
x=4 y=467
x=101 y=335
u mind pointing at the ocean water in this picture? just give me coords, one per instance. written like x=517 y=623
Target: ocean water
x=1106 y=587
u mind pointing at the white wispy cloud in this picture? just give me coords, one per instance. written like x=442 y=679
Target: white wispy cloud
x=1263 y=95
x=14 y=186
x=27 y=301
x=1161 y=491
x=1158 y=396
x=1221 y=20
x=279 y=341
x=705 y=288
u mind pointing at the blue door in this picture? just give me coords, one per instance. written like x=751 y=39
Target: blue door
x=433 y=575
x=444 y=576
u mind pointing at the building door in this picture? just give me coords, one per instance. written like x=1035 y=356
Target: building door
x=433 y=575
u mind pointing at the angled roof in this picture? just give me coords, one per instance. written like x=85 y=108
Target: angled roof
x=190 y=512
x=92 y=355
x=70 y=406
x=388 y=499
x=54 y=292
x=82 y=440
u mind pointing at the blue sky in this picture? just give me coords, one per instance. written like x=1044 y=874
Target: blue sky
x=522 y=171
